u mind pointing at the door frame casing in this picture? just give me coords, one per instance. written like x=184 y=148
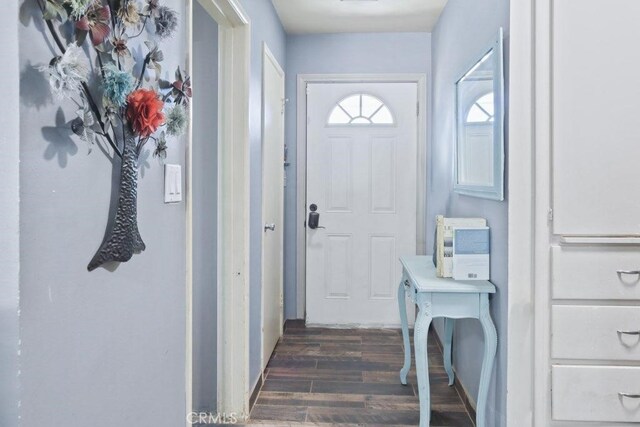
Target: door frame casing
x=234 y=35
x=527 y=193
x=267 y=55
x=301 y=160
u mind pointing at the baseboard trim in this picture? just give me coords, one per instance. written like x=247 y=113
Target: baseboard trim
x=256 y=392
x=469 y=404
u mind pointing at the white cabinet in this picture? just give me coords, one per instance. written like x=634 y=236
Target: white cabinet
x=590 y=175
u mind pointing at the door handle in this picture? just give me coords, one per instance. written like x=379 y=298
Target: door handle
x=314 y=217
x=271 y=227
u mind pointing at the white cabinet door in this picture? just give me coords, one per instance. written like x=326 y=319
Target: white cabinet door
x=362 y=176
x=596 y=117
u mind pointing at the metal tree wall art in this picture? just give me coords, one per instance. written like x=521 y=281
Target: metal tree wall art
x=127 y=104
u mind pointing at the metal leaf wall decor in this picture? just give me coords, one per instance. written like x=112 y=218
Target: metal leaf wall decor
x=135 y=107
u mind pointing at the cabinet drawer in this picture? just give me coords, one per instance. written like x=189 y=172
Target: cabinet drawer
x=592 y=272
x=591 y=393
x=595 y=333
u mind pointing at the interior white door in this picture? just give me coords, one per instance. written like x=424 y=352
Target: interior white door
x=272 y=204
x=362 y=176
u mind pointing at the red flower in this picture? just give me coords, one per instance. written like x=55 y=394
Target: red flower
x=144 y=111
x=96 y=22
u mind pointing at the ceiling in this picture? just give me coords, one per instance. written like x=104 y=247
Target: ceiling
x=358 y=16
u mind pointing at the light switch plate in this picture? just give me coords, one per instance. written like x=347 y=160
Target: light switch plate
x=172 y=183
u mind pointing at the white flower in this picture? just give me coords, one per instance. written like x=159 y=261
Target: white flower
x=79 y=7
x=67 y=72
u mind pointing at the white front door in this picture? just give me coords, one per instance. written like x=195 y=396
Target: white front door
x=362 y=177
x=272 y=203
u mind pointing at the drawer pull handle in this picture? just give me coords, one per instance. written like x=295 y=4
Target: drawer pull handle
x=628 y=272
x=629 y=395
x=629 y=332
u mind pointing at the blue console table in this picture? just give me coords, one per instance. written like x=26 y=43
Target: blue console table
x=450 y=299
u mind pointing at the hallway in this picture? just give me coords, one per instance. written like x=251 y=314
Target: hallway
x=350 y=377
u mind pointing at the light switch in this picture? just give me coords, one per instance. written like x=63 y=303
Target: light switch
x=172 y=183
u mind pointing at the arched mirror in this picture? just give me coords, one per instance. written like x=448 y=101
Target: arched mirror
x=479 y=160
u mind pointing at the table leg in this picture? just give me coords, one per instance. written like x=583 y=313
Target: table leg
x=448 y=340
x=490 y=346
x=422 y=362
x=402 y=303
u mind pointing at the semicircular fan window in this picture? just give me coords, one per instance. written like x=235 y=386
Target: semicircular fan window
x=482 y=110
x=361 y=109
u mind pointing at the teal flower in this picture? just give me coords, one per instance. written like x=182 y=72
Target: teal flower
x=117 y=85
x=177 y=120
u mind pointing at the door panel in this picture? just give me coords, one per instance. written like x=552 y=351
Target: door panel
x=382 y=174
x=340 y=185
x=595 y=118
x=381 y=267
x=338 y=256
x=272 y=205
x=362 y=177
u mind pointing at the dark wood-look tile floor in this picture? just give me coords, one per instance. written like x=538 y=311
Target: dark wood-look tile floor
x=350 y=377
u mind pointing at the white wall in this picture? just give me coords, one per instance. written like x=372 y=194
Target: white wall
x=464 y=29
x=9 y=212
x=105 y=348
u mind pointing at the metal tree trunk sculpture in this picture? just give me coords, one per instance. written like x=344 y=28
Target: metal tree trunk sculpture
x=123 y=237
x=132 y=108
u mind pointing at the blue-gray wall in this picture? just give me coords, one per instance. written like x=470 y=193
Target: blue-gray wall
x=105 y=348
x=265 y=27
x=344 y=53
x=10 y=225
x=205 y=214
x=463 y=30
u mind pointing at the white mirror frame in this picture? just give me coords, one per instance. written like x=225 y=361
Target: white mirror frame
x=495 y=191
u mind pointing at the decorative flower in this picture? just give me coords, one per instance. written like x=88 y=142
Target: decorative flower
x=120 y=51
x=161 y=147
x=144 y=111
x=166 y=20
x=177 y=120
x=117 y=85
x=67 y=72
x=110 y=115
x=129 y=14
x=96 y=22
x=154 y=57
x=180 y=88
x=79 y=7
x=151 y=8
x=83 y=126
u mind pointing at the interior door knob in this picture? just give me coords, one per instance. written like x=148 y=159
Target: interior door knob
x=271 y=227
